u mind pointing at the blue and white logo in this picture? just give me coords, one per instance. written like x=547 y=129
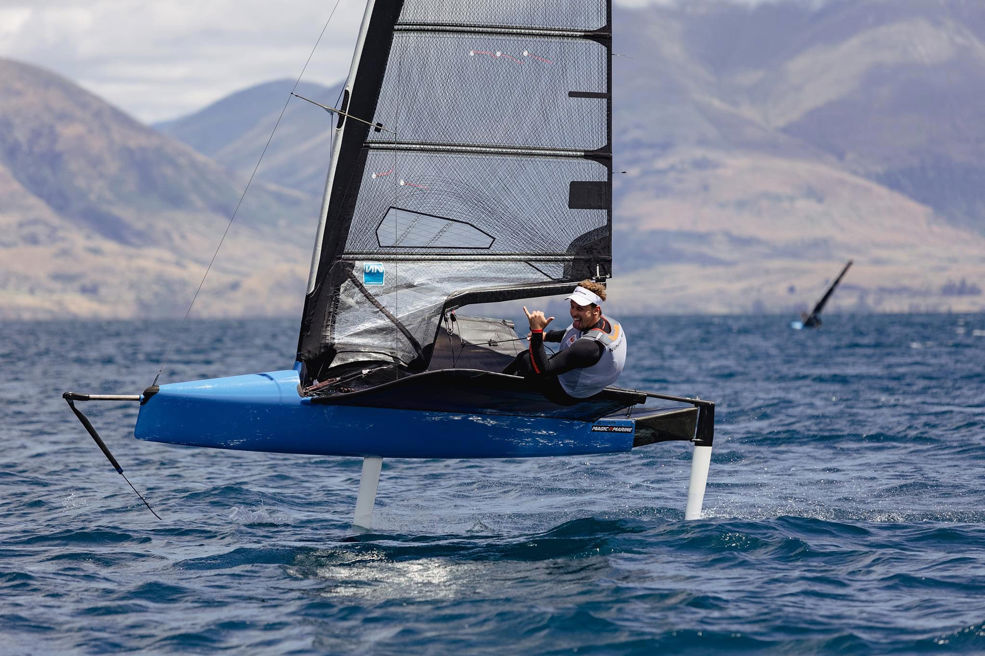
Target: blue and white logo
x=373 y=273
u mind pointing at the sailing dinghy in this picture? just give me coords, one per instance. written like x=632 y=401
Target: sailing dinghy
x=813 y=319
x=471 y=163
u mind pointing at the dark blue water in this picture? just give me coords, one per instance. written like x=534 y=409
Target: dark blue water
x=845 y=511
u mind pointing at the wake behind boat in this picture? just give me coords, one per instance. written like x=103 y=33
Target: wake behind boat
x=446 y=188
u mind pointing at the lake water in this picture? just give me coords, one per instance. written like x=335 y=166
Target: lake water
x=845 y=511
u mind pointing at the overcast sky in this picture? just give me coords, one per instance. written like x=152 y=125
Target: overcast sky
x=159 y=59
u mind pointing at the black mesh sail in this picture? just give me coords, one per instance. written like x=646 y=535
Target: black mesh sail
x=473 y=165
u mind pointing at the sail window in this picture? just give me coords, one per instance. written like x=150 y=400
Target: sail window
x=588 y=195
x=402 y=228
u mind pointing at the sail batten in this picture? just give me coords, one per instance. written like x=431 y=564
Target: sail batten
x=494 y=171
x=484 y=149
x=500 y=257
x=501 y=29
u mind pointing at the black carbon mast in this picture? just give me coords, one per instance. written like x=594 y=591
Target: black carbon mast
x=813 y=320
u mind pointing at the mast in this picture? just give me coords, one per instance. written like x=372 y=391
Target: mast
x=813 y=319
x=337 y=141
x=376 y=29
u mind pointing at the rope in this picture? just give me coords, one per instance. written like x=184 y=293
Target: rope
x=297 y=82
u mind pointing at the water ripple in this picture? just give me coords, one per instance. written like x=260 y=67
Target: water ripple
x=844 y=514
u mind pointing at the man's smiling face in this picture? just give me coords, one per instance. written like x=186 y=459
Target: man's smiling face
x=584 y=317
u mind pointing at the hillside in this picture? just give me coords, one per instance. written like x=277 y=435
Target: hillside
x=234 y=131
x=760 y=148
x=102 y=216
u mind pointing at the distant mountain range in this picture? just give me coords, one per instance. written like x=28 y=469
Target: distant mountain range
x=756 y=150
x=234 y=132
x=765 y=146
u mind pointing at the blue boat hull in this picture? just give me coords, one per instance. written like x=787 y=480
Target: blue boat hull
x=264 y=412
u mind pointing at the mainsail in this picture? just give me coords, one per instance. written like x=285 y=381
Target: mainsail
x=472 y=163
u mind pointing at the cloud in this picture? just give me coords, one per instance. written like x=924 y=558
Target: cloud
x=158 y=60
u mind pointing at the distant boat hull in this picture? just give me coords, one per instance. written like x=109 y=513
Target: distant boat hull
x=264 y=412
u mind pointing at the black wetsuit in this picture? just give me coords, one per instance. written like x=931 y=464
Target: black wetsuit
x=542 y=371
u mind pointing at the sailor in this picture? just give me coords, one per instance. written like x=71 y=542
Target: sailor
x=592 y=353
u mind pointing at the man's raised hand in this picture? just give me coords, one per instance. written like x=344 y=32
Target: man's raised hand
x=536 y=319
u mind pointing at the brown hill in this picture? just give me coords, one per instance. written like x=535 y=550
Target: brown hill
x=764 y=146
x=753 y=233
x=102 y=216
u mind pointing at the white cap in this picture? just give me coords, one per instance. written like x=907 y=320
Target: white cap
x=584 y=297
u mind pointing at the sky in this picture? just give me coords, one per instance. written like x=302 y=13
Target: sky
x=161 y=59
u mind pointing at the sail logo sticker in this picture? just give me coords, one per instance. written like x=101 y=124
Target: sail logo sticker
x=373 y=273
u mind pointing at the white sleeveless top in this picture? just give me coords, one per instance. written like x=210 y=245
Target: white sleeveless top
x=587 y=381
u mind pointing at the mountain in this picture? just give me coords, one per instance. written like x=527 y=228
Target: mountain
x=891 y=89
x=757 y=147
x=102 y=216
x=234 y=131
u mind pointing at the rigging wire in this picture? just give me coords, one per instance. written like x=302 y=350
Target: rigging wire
x=239 y=203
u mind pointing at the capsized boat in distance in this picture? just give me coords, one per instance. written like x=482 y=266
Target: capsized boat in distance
x=446 y=188
x=813 y=318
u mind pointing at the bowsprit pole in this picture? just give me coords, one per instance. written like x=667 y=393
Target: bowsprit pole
x=71 y=397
